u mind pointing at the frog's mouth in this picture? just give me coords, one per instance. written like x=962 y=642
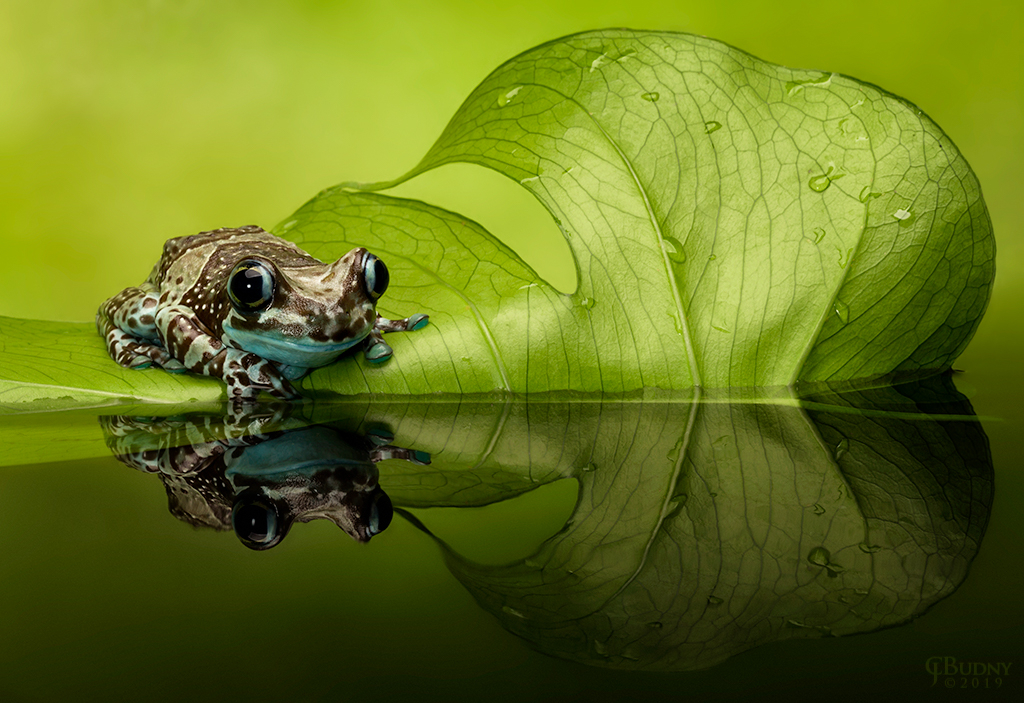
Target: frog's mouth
x=292 y=351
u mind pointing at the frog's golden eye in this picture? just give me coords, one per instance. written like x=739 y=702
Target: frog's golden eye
x=375 y=276
x=251 y=286
x=256 y=521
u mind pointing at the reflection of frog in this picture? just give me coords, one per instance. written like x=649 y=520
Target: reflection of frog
x=260 y=484
x=250 y=308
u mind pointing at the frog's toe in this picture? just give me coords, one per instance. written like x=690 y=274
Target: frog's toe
x=292 y=373
x=139 y=363
x=417 y=322
x=380 y=437
x=381 y=351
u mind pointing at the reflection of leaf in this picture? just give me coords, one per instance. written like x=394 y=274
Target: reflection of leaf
x=752 y=523
x=482 y=454
x=733 y=223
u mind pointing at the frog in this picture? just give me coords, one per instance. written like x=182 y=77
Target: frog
x=259 y=472
x=253 y=309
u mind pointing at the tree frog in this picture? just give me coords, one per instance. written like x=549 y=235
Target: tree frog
x=258 y=476
x=250 y=308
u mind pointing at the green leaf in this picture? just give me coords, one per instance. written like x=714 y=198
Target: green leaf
x=703 y=530
x=57 y=365
x=733 y=224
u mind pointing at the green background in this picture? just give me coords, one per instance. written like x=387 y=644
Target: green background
x=125 y=123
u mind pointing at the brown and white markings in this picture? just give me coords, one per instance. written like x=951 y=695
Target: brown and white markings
x=260 y=484
x=250 y=308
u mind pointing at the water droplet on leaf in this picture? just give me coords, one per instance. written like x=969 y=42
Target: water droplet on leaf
x=822 y=81
x=822 y=181
x=677 y=322
x=587 y=303
x=608 y=57
x=674 y=249
x=818 y=510
x=712 y=126
x=819 y=556
x=869 y=548
x=841 y=449
x=631 y=654
x=715 y=600
x=906 y=217
x=847 y=255
x=505 y=98
x=842 y=311
x=867 y=194
x=651 y=97
x=819 y=183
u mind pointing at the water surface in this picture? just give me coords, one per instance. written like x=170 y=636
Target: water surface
x=701 y=545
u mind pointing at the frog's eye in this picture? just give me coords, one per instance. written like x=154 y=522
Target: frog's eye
x=251 y=286
x=381 y=513
x=256 y=521
x=376 y=276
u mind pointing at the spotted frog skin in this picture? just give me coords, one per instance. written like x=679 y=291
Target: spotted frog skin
x=250 y=308
x=258 y=474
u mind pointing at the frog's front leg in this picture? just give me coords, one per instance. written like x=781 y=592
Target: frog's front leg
x=245 y=373
x=128 y=325
x=377 y=349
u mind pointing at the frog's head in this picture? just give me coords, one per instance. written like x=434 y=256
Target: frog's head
x=298 y=311
x=305 y=474
x=263 y=514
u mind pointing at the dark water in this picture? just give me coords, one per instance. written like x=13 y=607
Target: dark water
x=837 y=547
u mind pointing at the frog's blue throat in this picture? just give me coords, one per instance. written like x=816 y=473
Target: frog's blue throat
x=291 y=351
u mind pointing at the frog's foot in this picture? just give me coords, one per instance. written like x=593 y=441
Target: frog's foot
x=247 y=375
x=409 y=324
x=414 y=456
x=252 y=422
x=292 y=373
x=133 y=353
x=377 y=350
